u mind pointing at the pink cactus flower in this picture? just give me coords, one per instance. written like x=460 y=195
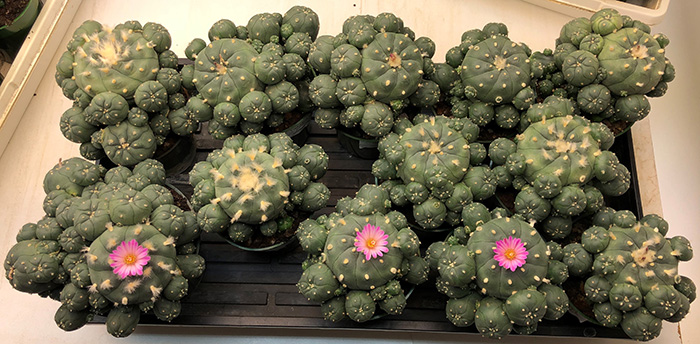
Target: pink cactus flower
x=128 y=259
x=510 y=253
x=372 y=242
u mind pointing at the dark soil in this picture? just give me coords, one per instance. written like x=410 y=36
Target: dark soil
x=577 y=296
x=492 y=131
x=169 y=143
x=617 y=127
x=260 y=241
x=507 y=198
x=290 y=119
x=11 y=10
x=179 y=200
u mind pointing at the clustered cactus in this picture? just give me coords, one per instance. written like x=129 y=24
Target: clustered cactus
x=114 y=243
x=488 y=78
x=369 y=72
x=484 y=289
x=613 y=64
x=249 y=77
x=71 y=253
x=561 y=168
x=433 y=166
x=127 y=93
x=633 y=280
x=258 y=184
x=358 y=256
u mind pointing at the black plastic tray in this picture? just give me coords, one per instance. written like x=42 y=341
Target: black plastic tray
x=245 y=289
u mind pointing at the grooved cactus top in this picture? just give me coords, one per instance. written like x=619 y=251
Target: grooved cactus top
x=562 y=146
x=350 y=265
x=225 y=71
x=114 y=60
x=431 y=146
x=134 y=289
x=252 y=186
x=391 y=67
x=498 y=281
x=633 y=60
x=497 y=68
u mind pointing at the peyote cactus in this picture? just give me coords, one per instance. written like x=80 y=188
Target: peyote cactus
x=127 y=95
x=608 y=59
x=500 y=277
x=369 y=73
x=358 y=255
x=635 y=281
x=432 y=161
x=563 y=164
x=258 y=185
x=495 y=79
x=250 y=78
x=112 y=243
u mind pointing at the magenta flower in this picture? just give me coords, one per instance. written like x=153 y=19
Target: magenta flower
x=372 y=242
x=128 y=259
x=510 y=253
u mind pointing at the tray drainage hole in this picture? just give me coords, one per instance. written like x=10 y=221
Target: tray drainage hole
x=589 y=332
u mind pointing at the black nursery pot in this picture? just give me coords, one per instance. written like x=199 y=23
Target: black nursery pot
x=299 y=131
x=362 y=148
x=178 y=155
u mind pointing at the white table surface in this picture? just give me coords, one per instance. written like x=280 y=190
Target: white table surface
x=37 y=144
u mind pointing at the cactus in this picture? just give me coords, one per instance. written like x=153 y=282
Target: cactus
x=94 y=218
x=127 y=96
x=612 y=59
x=258 y=181
x=256 y=71
x=366 y=250
x=500 y=277
x=564 y=162
x=634 y=280
x=369 y=73
x=432 y=161
x=497 y=69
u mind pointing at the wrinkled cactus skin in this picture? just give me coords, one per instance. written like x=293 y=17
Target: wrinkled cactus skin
x=257 y=181
x=345 y=272
x=635 y=271
x=495 y=299
x=89 y=212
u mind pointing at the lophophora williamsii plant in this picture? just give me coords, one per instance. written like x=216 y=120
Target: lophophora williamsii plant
x=488 y=77
x=434 y=167
x=370 y=72
x=358 y=257
x=112 y=242
x=561 y=168
x=248 y=78
x=499 y=275
x=258 y=186
x=126 y=89
x=613 y=63
x=632 y=273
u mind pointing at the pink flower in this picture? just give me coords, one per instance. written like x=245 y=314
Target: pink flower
x=510 y=253
x=128 y=259
x=372 y=242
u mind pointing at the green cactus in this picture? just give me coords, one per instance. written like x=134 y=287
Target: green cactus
x=122 y=57
x=346 y=271
x=253 y=181
x=497 y=69
x=225 y=71
x=635 y=274
x=69 y=256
